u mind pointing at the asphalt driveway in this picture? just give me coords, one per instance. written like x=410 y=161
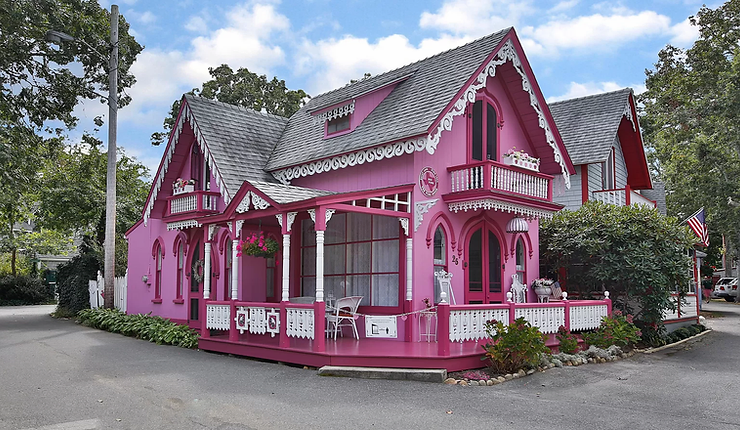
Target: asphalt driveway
x=57 y=375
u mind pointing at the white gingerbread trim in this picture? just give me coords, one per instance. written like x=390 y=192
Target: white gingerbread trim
x=239 y=224
x=404 y=225
x=420 y=208
x=291 y=218
x=244 y=204
x=327 y=215
x=279 y=218
x=180 y=225
x=628 y=114
x=312 y=214
x=258 y=202
x=185 y=115
x=252 y=198
x=356 y=158
x=211 y=231
x=505 y=54
x=497 y=205
x=337 y=112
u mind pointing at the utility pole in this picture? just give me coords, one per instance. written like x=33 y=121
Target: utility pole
x=110 y=191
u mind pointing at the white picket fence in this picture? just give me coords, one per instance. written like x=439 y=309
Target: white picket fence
x=120 y=286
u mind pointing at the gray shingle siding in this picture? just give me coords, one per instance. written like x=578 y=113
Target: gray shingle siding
x=572 y=197
x=621 y=165
x=594 y=179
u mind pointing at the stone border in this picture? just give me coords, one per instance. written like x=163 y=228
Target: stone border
x=670 y=345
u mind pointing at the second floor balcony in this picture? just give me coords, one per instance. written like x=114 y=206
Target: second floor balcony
x=622 y=197
x=494 y=177
x=193 y=203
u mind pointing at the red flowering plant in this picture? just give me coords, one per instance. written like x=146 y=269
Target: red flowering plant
x=257 y=246
x=616 y=329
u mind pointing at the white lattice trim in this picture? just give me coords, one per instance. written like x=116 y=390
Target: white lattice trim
x=335 y=113
x=186 y=115
x=300 y=323
x=628 y=114
x=420 y=208
x=505 y=54
x=251 y=199
x=179 y=225
x=352 y=159
x=497 y=205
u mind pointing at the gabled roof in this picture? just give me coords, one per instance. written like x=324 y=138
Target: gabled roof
x=408 y=111
x=239 y=139
x=284 y=194
x=589 y=125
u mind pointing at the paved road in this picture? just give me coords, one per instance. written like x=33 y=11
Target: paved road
x=56 y=375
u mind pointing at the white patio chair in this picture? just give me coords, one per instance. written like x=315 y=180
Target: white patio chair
x=343 y=315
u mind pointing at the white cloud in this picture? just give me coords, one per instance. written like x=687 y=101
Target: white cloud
x=564 y=6
x=598 y=31
x=684 y=34
x=576 y=89
x=332 y=63
x=475 y=18
x=146 y=17
x=196 y=24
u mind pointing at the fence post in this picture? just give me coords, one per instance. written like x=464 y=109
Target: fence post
x=319 y=325
x=284 y=341
x=205 y=333
x=608 y=303
x=567 y=311
x=512 y=312
x=443 y=329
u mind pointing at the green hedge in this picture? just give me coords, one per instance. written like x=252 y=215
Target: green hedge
x=154 y=329
x=684 y=332
x=23 y=290
x=73 y=280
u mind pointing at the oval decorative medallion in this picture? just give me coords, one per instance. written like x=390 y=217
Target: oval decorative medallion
x=428 y=181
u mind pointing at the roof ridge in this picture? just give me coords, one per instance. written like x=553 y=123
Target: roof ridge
x=592 y=96
x=505 y=30
x=237 y=107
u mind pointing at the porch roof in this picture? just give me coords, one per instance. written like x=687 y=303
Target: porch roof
x=284 y=194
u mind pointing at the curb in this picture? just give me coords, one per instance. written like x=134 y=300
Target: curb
x=420 y=375
x=671 y=345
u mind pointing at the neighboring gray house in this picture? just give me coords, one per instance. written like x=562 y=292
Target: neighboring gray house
x=604 y=142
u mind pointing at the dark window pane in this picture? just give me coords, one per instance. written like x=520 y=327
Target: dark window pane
x=194 y=286
x=193 y=309
x=475 y=263
x=339 y=124
x=491 y=151
x=477 y=131
x=494 y=264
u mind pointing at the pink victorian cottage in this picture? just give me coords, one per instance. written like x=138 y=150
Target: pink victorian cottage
x=399 y=214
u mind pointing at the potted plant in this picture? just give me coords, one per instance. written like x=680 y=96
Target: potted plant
x=258 y=246
x=542 y=286
x=512 y=157
x=181 y=186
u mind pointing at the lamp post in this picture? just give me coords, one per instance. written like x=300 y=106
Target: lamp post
x=110 y=192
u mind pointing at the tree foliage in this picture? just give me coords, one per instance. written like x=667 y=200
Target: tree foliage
x=635 y=253
x=691 y=121
x=241 y=88
x=36 y=80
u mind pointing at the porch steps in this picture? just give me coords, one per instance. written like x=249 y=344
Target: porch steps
x=421 y=375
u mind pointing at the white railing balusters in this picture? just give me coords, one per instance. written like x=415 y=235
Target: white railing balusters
x=218 y=316
x=299 y=323
x=586 y=317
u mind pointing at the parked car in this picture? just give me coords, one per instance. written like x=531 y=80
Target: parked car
x=726 y=288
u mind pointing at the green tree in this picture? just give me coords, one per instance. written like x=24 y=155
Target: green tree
x=37 y=84
x=691 y=122
x=241 y=88
x=635 y=253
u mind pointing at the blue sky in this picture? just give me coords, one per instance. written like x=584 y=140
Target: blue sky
x=576 y=48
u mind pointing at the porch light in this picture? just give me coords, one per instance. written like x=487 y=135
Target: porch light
x=517 y=225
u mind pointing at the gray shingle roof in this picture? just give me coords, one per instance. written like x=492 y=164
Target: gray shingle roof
x=240 y=139
x=588 y=125
x=408 y=111
x=657 y=194
x=283 y=194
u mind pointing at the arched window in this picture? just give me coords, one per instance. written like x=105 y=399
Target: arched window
x=483 y=144
x=440 y=258
x=520 y=261
x=227 y=268
x=180 y=270
x=158 y=274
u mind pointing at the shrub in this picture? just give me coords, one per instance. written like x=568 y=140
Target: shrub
x=73 y=280
x=614 y=330
x=568 y=341
x=154 y=329
x=23 y=290
x=513 y=347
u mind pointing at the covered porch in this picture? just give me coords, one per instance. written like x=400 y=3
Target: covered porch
x=451 y=335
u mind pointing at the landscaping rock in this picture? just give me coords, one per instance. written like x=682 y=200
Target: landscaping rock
x=491 y=382
x=473 y=383
x=521 y=373
x=450 y=381
x=482 y=382
x=501 y=379
x=464 y=383
x=556 y=362
x=530 y=371
x=508 y=376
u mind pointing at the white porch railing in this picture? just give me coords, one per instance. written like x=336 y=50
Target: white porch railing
x=611 y=197
x=637 y=199
x=218 y=316
x=586 y=317
x=186 y=203
x=471 y=324
x=194 y=201
x=494 y=176
x=547 y=319
x=685 y=308
x=300 y=323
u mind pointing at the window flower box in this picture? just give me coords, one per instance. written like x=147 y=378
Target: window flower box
x=182 y=186
x=521 y=159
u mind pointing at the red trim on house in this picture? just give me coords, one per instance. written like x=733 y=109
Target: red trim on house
x=178 y=301
x=584 y=184
x=472 y=222
x=633 y=149
x=440 y=218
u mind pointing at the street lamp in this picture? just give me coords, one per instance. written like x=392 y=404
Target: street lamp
x=110 y=192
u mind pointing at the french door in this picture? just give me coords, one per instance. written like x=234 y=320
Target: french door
x=483 y=274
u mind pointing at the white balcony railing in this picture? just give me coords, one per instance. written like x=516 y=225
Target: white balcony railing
x=495 y=176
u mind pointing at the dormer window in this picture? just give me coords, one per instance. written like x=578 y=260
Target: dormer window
x=336 y=125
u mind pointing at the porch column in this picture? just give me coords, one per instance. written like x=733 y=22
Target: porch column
x=409 y=269
x=207 y=264
x=286 y=267
x=319 y=265
x=235 y=260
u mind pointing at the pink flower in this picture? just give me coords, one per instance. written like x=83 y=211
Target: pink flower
x=629 y=319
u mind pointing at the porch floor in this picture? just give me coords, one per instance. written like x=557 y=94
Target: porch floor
x=348 y=351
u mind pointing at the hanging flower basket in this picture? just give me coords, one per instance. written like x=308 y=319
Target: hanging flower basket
x=257 y=246
x=521 y=159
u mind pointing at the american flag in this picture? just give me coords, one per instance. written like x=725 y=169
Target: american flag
x=699 y=226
